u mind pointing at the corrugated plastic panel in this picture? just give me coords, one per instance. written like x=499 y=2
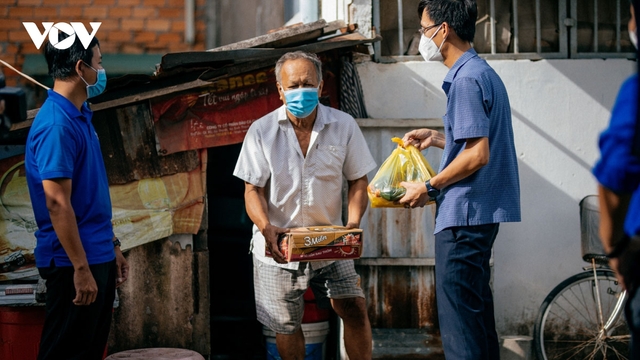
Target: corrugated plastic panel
x=397 y=232
x=397 y=267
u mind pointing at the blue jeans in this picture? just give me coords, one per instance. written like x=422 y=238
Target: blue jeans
x=632 y=313
x=464 y=298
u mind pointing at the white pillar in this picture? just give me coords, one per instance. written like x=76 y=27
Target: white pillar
x=309 y=10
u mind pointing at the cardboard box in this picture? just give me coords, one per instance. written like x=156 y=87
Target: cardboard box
x=315 y=243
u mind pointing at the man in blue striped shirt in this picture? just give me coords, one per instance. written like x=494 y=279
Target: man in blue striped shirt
x=477 y=186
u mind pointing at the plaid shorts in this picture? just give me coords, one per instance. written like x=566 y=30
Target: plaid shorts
x=279 y=292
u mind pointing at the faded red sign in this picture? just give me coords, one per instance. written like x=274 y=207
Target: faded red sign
x=217 y=115
x=220 y=114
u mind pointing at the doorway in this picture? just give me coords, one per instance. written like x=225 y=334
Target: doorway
x=235 y=332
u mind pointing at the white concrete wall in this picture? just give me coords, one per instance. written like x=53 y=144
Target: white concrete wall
x=351 y=11
x=559 y=108
x=244 y=19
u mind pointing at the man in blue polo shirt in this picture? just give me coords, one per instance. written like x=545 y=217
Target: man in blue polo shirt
x=76 y=252
x=618 y=175
x=477 y=186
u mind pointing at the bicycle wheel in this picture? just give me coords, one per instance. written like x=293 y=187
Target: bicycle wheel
x=568 y=321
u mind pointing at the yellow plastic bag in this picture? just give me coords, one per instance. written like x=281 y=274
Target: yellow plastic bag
x=404 y=164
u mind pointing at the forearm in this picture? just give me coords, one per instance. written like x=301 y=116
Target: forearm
x=256 y=206
x=438 y=140
x=474 y=156
x=64 y=223
x=613 y=208
x=424 y=138
x=357 y=200
x=463 y=166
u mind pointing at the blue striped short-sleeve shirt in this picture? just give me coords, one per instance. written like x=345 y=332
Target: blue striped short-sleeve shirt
x=478 y=106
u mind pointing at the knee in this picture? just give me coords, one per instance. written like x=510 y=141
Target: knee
x=351 y=309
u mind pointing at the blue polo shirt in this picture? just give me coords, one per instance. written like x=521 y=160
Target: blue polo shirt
x=478 y=106
x=62 y=143
x=618 y=170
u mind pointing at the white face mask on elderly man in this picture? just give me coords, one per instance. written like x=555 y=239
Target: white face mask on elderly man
x=428 y=49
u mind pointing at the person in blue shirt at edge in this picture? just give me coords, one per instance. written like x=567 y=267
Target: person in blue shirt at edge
x=76 y=252
x=293 y=162
x=618 y=175
x=477 y=186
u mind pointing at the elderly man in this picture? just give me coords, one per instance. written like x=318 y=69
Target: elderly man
x=293 y=162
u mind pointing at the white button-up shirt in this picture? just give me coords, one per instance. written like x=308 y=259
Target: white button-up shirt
x=302 y=191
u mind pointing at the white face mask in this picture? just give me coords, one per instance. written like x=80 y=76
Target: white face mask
x=428 y=49
x=633 y=36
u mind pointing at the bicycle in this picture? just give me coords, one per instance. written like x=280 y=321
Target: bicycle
x=582 y=317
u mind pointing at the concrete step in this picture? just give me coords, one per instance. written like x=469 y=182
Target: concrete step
x=406 y=344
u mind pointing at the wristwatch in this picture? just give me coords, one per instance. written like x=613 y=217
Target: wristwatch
x=431 y=191
x=116 y=242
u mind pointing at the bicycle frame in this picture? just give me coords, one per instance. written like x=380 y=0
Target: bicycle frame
x=605 y=328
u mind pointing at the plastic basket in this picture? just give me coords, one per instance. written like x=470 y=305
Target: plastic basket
x=315 y=336
x=589 y=230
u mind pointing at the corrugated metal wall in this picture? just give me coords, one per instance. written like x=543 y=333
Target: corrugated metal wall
x=165 y=302
x=397 y=267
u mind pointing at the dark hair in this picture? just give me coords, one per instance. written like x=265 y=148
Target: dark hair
x=62 y=63
x=295 y=55
x=461 y=15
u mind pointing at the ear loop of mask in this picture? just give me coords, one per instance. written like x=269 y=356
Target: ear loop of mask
x=443 y=40
x=90 y=67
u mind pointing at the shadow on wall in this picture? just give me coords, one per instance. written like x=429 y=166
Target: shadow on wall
x=533 y=256
x=545 y=135
x=407 y=90
x=589 y=72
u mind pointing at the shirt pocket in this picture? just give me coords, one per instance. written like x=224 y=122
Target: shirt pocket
x=329 y=160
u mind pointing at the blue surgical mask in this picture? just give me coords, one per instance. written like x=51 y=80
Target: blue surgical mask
x=101 y=83
x=302 y=101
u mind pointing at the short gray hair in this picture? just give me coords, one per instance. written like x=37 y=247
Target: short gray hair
x=295 y=55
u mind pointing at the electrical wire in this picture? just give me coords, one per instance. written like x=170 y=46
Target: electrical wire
x=23 y=74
